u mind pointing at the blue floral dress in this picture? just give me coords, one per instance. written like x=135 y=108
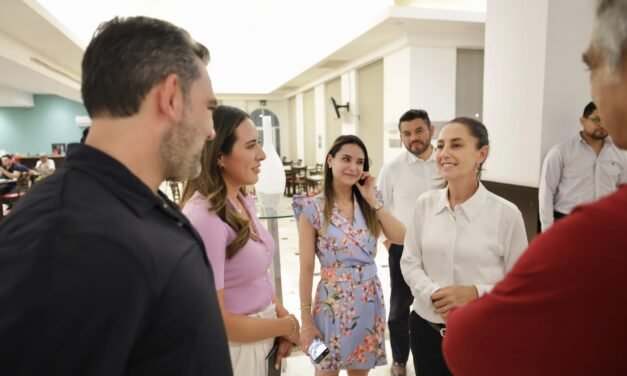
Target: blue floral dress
x=348 y=307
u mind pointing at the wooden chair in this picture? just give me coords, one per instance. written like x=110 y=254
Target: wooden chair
x=300 y=178
x=290 y=178
x=317 y=170
x=22 y=186
x=176 y=192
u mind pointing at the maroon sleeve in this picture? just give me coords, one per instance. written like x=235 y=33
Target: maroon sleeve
x=559 y=311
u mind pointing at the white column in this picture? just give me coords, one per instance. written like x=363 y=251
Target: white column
x=535 y=86
x=417 y=77
x=10 y=97
x=300 y=127
x=350 y=120
x=320 y=116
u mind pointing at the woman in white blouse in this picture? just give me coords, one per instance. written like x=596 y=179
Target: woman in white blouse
x=461 y=241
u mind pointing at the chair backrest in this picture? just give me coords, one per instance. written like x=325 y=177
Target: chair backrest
x=319 y=167
x=23 y=182
x=176 y=192
x=300 y=171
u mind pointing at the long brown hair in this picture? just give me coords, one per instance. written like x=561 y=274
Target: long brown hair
x=329 y=196
x=210 y=183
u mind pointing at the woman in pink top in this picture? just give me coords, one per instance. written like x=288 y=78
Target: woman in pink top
x=240 y=249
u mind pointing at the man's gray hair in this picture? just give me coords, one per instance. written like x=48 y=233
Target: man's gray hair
x=610 y=31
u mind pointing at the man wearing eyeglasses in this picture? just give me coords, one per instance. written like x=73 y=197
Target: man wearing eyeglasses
x=580 y=170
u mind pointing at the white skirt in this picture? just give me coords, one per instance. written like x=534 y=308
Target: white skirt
x=249 y=359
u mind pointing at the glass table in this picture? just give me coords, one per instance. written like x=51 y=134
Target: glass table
x=272 y=215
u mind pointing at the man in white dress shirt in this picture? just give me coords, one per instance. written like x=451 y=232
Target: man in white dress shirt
x=401 y=181
x=580 y=170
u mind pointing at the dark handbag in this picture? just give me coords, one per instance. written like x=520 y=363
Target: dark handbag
x=271 y=357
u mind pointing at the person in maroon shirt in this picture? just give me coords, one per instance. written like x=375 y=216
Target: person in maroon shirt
x=561 y=311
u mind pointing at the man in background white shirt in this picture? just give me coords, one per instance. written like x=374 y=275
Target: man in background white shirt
x=401 y=181
x=45 y=166
x=580 y=170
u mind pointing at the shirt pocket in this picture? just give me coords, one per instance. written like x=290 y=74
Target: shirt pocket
x=612 y=169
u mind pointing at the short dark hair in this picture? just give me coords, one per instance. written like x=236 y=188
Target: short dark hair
x=414 y=114
x=589 y=109
x=127 y=57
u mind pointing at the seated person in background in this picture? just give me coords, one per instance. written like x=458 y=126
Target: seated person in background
x=45 y=166
x=11 y=170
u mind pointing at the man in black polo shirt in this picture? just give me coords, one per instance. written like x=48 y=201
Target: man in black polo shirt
x=10 y=170
x=100 y=274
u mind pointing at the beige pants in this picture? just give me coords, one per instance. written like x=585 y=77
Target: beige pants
x=249 y=359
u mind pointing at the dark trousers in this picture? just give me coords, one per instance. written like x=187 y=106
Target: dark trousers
x=400 y=303
x=557 y=215
x=8 y=188
x=426 y=348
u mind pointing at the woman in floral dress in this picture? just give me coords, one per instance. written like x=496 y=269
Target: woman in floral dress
x=340 y=226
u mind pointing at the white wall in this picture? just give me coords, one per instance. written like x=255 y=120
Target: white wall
x=20 y=71
x=350 y=119
x=513 y=89
x=15 y=98
x=534 y=84
x=417 y=77
x=567 y=85
x=433 y=75
x=300 y=127
x=320 y=122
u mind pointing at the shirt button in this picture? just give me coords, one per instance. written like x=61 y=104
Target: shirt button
x=165 y=206
x=179 y=223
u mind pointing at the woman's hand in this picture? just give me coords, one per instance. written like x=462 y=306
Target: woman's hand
x=307 y=334
x=367 y=189
x=453 y=296
x=294 y=337
x=285 y=350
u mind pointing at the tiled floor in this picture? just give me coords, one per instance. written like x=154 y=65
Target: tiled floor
x=298 y=364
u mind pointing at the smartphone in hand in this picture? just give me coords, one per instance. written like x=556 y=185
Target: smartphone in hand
x=318 y=350
x=363 y=181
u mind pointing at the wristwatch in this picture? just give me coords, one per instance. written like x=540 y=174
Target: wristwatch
x=378 y=205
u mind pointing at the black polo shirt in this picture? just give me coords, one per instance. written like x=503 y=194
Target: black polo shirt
x=10 y=186
x=18 y=167
x=100 y=276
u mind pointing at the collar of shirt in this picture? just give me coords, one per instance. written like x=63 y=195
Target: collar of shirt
x=470 y=207
x=607 y=141
x=411 y=158
x=116 y=177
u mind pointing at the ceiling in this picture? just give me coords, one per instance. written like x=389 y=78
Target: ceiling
x=270 y=48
